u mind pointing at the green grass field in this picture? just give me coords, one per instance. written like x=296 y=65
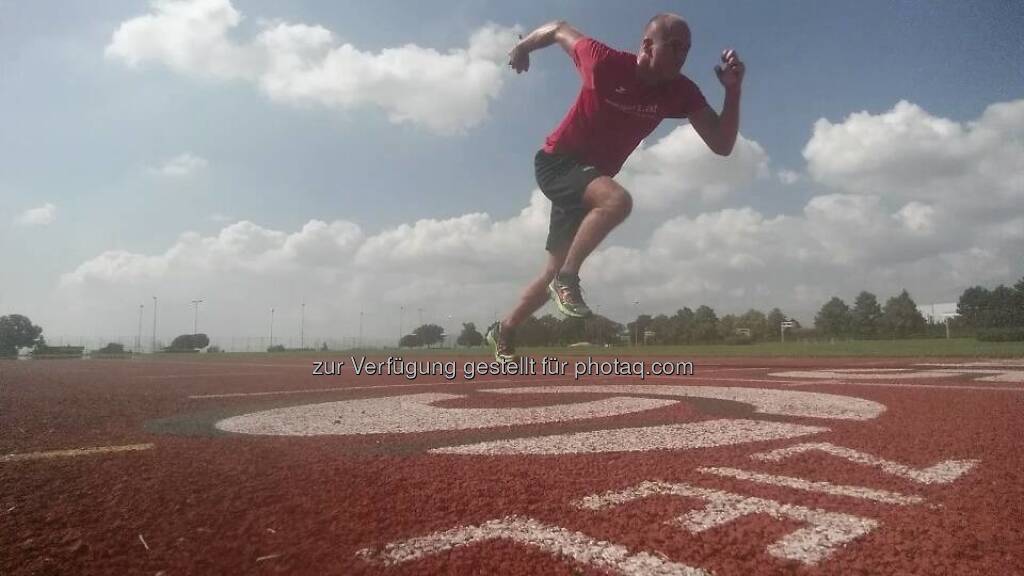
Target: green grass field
x=956 y=347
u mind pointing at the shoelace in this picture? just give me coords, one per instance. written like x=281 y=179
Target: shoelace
x=571 y=292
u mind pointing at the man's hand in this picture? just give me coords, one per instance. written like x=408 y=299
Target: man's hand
x=730 y=72
x=519 y=57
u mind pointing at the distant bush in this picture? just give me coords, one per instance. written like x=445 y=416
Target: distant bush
x=188 y=343
x=112 y=348
x=58 y=351
x=213 y=350
x=276 y=348
x=1015 y=334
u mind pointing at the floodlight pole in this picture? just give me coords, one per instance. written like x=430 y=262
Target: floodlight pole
x=271 y=328
x=138 y=338
x=302 y=327
x=401 y=313
x=154 y=325
x=195 y=317
x=636 y=339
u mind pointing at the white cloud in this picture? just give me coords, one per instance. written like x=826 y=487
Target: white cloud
x=474 y=266
x=189 y=37
x=788 y=176
x=40 y=216
x=907 y=155
x=301 y=64
x=680 y=171
x=181 y=166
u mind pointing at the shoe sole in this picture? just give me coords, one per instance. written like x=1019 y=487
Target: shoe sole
x=561 y=307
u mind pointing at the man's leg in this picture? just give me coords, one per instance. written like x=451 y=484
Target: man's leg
x=501 y=336
x=607 y=205
x=536 y=294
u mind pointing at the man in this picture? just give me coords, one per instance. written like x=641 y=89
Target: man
x=623 y=98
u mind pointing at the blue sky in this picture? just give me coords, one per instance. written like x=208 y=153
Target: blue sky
x=442 y=214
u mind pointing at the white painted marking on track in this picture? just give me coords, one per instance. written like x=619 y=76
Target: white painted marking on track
x=554 y=540
x=202 y=375
x=337 y=389
x=73 y=452
x=705 y=434
x=883 y=496
x=941 y=473
x=414 y=413
x=828 y=530
x=765 y=401
x=907 y=386
x=843 y=374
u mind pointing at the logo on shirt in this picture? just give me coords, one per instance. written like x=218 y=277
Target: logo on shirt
x=620 y=90
x=645 y=110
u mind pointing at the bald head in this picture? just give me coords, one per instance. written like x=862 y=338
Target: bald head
x=665 y=22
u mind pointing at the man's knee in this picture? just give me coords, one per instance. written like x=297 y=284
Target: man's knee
x=607 y=195
x=623 y=204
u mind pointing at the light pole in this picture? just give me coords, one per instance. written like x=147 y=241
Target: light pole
x=195 y=317
x=271 y=328
x=138 y=338
x=636 y=339
x=154 y=325
x=360 y=329
x=302 y=327
x=401 y=313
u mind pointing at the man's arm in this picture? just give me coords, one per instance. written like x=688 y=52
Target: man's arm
x=719 y=132
x=558 y=31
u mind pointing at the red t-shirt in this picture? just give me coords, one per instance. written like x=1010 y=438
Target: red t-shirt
x=614 y=111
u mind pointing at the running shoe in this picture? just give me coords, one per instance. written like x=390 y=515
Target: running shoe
x=569 y=298
x=502 y=342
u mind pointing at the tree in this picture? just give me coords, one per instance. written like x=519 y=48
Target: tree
x=189 y=342
x=866 y=315
x=757 y=322
x=682 y=326
x=410 y=341
x=774 y=320
x=833 y=319
x=17 y=331
x=705 y=325
x=1001 y=313
x=638 y=327
x=600 y=330
x=112 y=348
x=973 y=305
x=901 y=317
x=661 y=325
x=470 y=336
x=727 y=326
x=429 y=334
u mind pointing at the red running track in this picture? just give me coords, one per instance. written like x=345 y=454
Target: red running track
x=749 y=466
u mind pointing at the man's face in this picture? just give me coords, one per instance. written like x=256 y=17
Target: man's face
x=669 y=47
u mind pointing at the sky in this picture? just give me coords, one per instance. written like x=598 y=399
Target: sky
x=339 y=168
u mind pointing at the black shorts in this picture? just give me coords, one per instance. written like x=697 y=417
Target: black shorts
x=563 y=179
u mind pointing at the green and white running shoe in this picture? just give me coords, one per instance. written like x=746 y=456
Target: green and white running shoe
x=502 y=342
x=569 y=298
